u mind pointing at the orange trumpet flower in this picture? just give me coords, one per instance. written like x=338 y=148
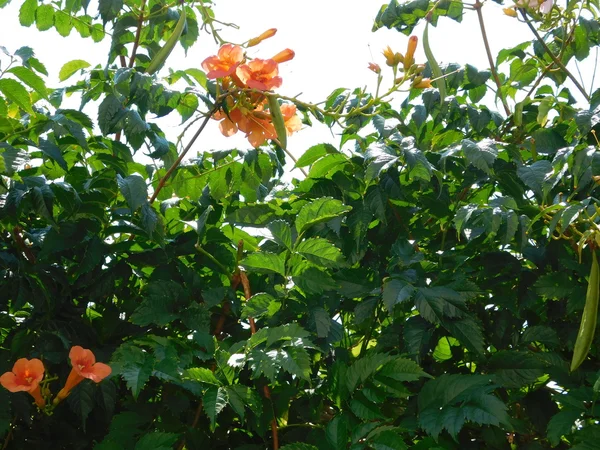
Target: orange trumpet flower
x=25 y=377
x=84 y=366
x=261 y=74
x=228 y=58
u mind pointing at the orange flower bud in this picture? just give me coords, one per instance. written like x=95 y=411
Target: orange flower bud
x=266 y=35
x=389 y=56
x=374 y=68
x=422 y=84
x=510 y=12
x=284 y=55
x=410 y=52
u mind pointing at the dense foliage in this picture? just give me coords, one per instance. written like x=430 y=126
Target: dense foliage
x=422 y=287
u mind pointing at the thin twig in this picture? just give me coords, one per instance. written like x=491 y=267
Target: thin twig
x=138 y=33
x=477 y=6
x=162 y=181
x=557 y=61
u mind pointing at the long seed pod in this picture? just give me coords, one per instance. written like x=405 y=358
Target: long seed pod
x=440 y=82
x=162 y=55
x=278 y=121
x=587 y=328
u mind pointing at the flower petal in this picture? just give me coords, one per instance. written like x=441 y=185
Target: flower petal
x=99 y=372
x=9 y=381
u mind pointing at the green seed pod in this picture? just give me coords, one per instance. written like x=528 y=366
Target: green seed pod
x=162 y=55
x=278 y=121
x=587 y=328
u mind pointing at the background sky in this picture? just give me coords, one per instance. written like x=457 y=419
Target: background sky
x=332 y=40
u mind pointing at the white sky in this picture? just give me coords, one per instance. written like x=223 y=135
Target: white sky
x=332 y=40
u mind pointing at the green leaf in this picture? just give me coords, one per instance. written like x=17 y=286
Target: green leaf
x=481 y=155
x=265 y=262
x=63 y=23
x=201 y=375
x=451 y=400
x=542 y=334
x=31 y=79
x=318 y=211
x=110 y=112
x=70 y=68
x=562 y=424
x=321 y=252
x=160 y=304
x=515 y=369
x=365 y=409
x=213 y=402
x=15 y=92
x=396 y=292
x=260 y=305
x=402 y=369
x=51 y=150
x=535 y=175
x=27 y=12
x=109 y=9
x=437 y=303
x=364 y=368
x=134 y=190
x=314 y=153
x=134 y=365
x=337 y=432
x=44 y=17
x=282 y=233
x=468 y=332
x=313 y=280
x=81 y=401
x=157 y=440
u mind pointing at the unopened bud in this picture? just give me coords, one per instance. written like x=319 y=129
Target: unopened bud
x=417 y=69
x=374 y=68
x=410 y=51
x=421 y=83
x=284 y=55
x=266 y=35
x=510 y=12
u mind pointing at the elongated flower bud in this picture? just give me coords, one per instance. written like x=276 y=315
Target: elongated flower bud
x=409 y=57
x=284 y=55
x=421 y=83
x=266 y=35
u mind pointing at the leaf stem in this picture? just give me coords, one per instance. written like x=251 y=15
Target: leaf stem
x=477 y=6
x=554 y=58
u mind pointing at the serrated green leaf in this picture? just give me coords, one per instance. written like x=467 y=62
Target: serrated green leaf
x=44 y=17
x=70 y=68
x=27 y=12
x=265 y=262
x=157 y=440
x=318 y=211
x=15 y=92
x=213 y=402
x=134 y=190
x=321 y=252
x=260 y=305
x=314 y=153
x=561 y=424
x=31 y=79
x=515 y=369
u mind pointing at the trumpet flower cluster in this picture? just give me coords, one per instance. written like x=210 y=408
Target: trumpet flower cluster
x=27 y=375
x=406 y=64
x=244 y=84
